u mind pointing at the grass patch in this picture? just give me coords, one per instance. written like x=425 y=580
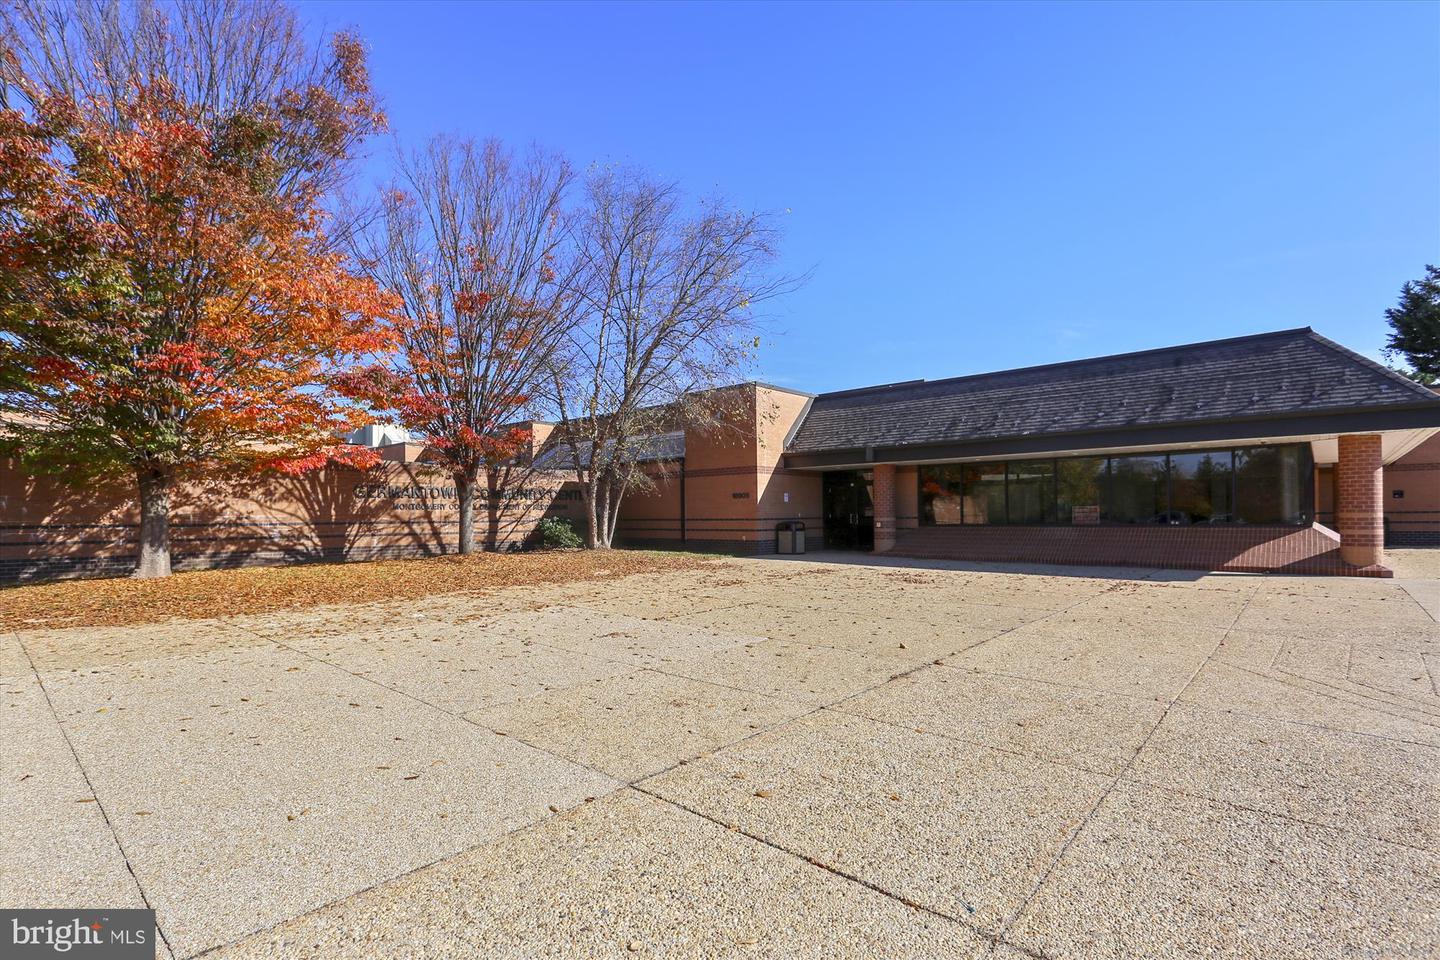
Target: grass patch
x=219 y=593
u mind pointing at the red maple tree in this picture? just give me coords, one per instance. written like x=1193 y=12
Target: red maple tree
x=170 y=303
x=469 y=241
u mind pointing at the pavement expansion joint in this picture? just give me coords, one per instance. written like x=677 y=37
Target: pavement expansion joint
x=1109 y=788
x=89 y=785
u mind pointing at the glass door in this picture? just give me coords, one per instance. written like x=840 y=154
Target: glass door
x=849 y=510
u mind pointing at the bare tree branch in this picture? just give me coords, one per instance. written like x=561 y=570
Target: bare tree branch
x=470 y=241
x=663 y=312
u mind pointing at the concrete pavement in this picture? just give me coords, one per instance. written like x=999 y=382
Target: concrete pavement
x=761 y=758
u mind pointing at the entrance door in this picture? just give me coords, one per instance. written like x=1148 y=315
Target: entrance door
x=849 y=510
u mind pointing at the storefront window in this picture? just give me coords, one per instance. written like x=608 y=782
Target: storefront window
x=1137 y=490
x=1031 y=495
x=984 y=492
x=1079 y=486
x=940 y=495
x=1200 y=487
x=1271 y=484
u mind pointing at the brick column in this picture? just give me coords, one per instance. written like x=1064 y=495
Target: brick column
x=1359 y=499
x=884 y=494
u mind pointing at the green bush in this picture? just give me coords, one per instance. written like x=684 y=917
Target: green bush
x=559 y=532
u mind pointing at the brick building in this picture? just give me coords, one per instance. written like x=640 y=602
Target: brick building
x=1277 y=452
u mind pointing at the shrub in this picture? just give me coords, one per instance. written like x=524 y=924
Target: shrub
x=559 y=532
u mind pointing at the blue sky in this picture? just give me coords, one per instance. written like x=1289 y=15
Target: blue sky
x=977 y=187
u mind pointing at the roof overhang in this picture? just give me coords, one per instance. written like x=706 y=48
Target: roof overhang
x=1402 y=428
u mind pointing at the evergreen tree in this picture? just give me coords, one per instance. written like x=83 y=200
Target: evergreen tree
x=1416 y=325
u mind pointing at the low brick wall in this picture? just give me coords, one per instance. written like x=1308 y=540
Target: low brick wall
x=734 y=548
x=1413 y=538
x=1239 y=549
x=393 y=511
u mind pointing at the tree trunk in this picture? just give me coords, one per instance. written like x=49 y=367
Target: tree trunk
x=465 y=493
x=592 y=525
x=154 y=522
x=612 y=510
x=492 y=509
x=602 y=518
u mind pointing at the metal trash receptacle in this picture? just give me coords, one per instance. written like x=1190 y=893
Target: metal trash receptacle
x=790 y=537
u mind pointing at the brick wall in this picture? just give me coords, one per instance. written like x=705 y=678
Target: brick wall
x=882 y=492
x=394 y=510
x=735 y=488
x=1359 y=487
x=1240 y=549
x=1412 y=519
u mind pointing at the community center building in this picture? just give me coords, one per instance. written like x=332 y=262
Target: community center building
x=1279 y=452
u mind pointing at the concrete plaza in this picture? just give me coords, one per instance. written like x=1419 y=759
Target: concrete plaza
x=757 y=758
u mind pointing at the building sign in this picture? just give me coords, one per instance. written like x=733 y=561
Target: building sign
x=419 y=496
x=409 y=496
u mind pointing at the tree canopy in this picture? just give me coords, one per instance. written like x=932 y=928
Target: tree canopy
x=470 y=240
x=1415 y=326
x=170 y=301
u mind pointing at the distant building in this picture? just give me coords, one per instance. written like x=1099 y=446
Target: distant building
x=379 y=435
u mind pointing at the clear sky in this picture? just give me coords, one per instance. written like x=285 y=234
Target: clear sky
x=977 y=187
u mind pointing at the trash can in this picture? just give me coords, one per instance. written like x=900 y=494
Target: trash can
x=790 y=537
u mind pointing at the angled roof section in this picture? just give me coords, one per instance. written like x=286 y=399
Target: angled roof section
x=1281 y=378
x=660 y=447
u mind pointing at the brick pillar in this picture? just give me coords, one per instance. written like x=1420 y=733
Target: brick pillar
x=1359 y=499
x=884 y=494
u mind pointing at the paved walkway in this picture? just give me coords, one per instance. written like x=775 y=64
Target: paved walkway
x=760 y=759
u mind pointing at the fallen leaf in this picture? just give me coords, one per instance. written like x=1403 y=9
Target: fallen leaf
x=206 y=594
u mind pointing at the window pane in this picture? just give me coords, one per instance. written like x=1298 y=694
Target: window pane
x=1079 y=483
x=1200 y=487
x=1032 y=491
x=984 y=492
x=1271 y=483
x=1137 y=490
x=939 y=495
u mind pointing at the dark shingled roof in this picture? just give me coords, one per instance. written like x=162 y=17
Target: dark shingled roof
x=1284 y=374
x=661 y=447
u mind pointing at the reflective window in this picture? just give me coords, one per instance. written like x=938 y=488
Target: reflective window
x=1079 y=487
x=983 y=487
x=1244 y=485
x=940 y=495
x=1137 y=490
x=1200 y=487
x=1031 y=494
x=1271 y=484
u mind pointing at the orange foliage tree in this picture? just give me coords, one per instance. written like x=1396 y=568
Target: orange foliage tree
x=169 y=301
